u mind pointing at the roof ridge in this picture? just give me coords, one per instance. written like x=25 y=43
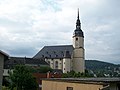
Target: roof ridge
x=58 y=45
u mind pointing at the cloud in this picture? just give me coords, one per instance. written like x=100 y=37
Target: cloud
x=28 y=25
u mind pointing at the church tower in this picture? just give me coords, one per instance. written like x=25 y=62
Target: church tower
x=78 y=45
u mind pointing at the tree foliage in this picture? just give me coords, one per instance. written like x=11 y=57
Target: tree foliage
x=41 y=69
x=103 y=69
x=44 y=69
x=22 y=79
x=73 y=74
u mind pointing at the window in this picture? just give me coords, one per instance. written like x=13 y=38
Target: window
x=46 y=57
x=49 y=62
x=52 y=59
x=56 y=55
x=62 y=53
x=56 y=64
x=69 y=88
x=42 y=55
x=76 y=39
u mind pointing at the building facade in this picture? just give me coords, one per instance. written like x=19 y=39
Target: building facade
x=66 y=57
x=81 y=84
x=11 y=62
x=3 y=57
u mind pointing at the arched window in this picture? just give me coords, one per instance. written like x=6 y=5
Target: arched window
x=56 y=64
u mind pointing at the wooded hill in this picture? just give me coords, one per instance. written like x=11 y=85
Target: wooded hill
x=101 y=68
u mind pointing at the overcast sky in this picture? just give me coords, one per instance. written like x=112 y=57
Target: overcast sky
x=28 y=25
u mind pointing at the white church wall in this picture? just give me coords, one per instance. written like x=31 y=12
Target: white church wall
x=55 y=63
x=79 y=52
x=79 y=42
x=78 y=65
x=66 y=65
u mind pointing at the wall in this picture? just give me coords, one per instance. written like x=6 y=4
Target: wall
x=54 y=85
x=6 y=72
x=78 y=60
x=52 y=63
x=1 y=69
x=39 y=76
x=66 y=65
x=78 y=43
x=113 y=86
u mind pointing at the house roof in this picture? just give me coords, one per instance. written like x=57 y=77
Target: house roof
x=36 y=61
x=3 y=53
x=86 y=80
x=54 y=51
x=12 y=61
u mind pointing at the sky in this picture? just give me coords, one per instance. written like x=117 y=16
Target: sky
x=26 y=26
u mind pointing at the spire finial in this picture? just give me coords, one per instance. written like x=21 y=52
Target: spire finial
x=78 y=13
x=78 y=24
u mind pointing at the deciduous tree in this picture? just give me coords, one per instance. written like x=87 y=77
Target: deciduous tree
x=22 y=79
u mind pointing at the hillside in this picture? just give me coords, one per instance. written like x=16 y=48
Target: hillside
x=101 y=68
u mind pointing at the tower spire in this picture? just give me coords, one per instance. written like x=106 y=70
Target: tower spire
x=78 y=24
x=78 y=31
x=78 y=14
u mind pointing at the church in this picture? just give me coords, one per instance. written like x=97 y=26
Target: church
x=66 y=57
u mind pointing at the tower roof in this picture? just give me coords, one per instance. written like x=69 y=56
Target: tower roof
x=78 y=31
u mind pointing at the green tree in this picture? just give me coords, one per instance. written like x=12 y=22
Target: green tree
x=44 y=69
x=73 y=74
x=22 y=79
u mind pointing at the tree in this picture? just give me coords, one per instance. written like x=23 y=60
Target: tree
x=73 y=74
x=22 y=79
x=44 y=69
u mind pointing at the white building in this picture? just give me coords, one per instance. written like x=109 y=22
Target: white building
x=66 y=57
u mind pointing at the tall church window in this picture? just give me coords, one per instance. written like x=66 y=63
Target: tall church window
x=56 y=64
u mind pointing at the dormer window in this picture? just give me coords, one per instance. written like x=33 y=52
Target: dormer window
x=42 y=55
x=56 y=55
